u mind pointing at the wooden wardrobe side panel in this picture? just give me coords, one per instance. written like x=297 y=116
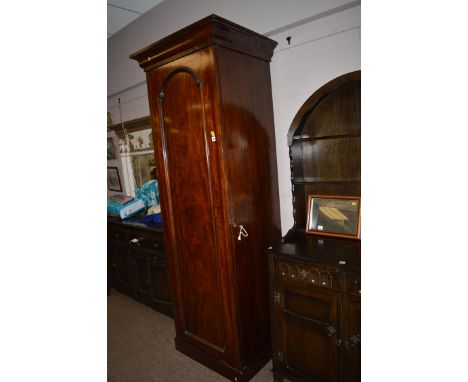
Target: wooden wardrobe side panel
x=249 y=151
x=189 y=180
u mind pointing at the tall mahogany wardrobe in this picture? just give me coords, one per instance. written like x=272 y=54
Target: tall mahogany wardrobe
x=209 y=91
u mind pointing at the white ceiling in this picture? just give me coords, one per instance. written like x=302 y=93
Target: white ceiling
x=122 y=12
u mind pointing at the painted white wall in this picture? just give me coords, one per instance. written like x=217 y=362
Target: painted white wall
x=320 y=50
x=169 y=16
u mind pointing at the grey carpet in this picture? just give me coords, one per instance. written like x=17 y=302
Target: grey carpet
x=140 y=347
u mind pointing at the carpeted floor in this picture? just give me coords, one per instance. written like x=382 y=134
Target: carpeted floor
x=140 y=347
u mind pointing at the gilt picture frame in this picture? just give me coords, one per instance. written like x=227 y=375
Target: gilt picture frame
x=338 y=216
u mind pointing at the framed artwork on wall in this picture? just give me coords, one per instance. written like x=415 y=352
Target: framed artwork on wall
x=113 y=179
x=338 y=216
x=111 y=149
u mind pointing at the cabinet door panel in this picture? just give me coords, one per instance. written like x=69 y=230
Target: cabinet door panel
x=309 y=331
x=310 y=348
x=159 y=283
x=142 y=275
x=189 y=175
x=124 y=269
x=353 y=342
x=112 y=274
x=314 y=308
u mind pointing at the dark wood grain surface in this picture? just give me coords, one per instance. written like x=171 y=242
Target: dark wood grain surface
x=315 y=297
x=136 y=262
x=250 y=163
x=315 y=281
x=328 y=251
x=210 y=31
x=210 y=99
x=325 y=144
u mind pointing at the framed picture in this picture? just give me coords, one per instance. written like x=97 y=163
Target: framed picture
x=338 y=216
x=110 y=149
x=113 y=179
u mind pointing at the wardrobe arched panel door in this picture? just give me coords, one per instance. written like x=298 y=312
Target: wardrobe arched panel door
x=185 y=140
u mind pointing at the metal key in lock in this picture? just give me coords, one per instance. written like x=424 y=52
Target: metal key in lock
x=242 y=232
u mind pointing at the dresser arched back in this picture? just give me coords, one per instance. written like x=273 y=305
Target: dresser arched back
x=325 y=144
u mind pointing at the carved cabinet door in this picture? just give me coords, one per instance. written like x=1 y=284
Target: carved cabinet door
x=160 y=296
x=118 y=269
x=112 y=274
x=124 y=268
x=353 y=331
x=142 y=275
x=306 y=327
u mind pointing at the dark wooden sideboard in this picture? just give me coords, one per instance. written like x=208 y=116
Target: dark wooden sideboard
x=136 y=263
x=315 y=282
x=315 y=295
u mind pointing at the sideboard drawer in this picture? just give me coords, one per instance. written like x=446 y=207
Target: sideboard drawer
x=307 y=274
x=115 y=234
x=145 y=240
